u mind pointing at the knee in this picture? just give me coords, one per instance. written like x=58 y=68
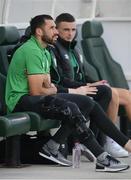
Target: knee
x=127 y=93
x=86 y=136
x=73 y=108
x=108 y=92
x=126 y=97
x=105 y=92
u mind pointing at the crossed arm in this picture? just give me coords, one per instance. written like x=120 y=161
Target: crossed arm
x=40 y=84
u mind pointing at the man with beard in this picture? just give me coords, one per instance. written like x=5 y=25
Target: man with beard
x=29 y=88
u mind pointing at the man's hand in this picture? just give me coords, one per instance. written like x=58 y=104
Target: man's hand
x=84 y=90
x=54 y=88
x=98 y=83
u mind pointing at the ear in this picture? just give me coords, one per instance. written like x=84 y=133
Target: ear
x=39 y=31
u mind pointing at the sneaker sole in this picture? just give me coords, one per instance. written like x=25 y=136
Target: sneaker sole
x=106 y=169
x=53 y=159
x=120 y=156
x=89 y=156
x=87 y=153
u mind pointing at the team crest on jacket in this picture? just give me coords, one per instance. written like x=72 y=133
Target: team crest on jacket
x=81 y=58
x=66 y=56
x=54 y=60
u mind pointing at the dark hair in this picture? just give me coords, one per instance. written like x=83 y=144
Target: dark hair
x=38 y=21
x=66 y=17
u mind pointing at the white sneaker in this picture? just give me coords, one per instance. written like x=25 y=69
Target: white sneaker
x=115 y=149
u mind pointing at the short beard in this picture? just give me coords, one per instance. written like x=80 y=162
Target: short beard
x=46 y=40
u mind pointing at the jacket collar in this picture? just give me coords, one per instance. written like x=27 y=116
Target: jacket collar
x=66 y=44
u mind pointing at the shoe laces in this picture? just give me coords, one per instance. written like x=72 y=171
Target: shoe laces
x=112 y=159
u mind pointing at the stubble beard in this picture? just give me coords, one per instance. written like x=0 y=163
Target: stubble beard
x=47 y=40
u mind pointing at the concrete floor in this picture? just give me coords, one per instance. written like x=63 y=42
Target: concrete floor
x=56 y=172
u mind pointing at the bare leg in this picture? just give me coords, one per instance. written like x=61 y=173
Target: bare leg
x=128 y=146
x=112 y=111
x=125 y=100
x=111 y=146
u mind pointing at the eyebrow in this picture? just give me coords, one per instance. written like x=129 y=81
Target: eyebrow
x=69 y=28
